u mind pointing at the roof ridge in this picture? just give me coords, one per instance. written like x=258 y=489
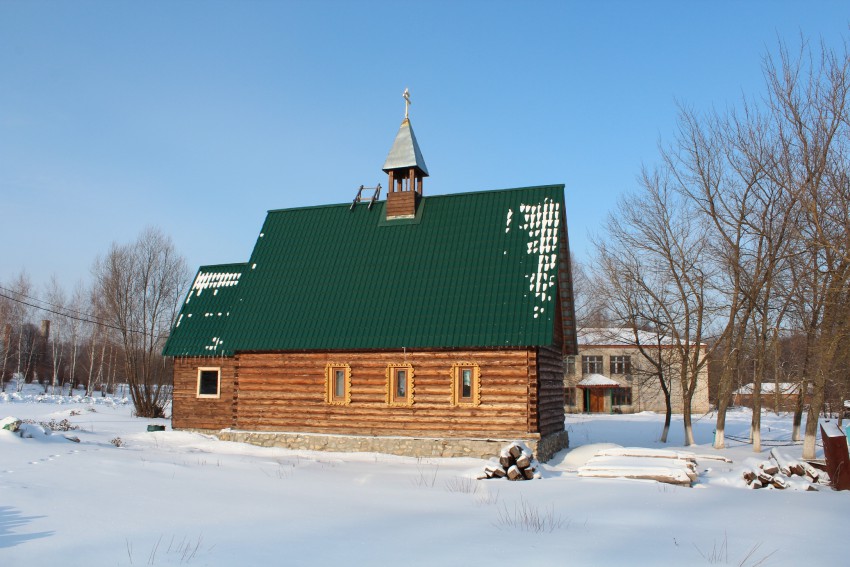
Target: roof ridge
x=556 y=186
x=208 y=266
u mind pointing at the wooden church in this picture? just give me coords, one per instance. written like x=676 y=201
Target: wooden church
x=424 y=326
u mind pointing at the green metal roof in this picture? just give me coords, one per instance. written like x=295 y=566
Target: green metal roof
x=205 y=311
x=471 y=270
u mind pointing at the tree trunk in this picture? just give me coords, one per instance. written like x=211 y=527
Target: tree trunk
x=687 y=398
x=812 y=417
x=755 y=424
x=665 y=389
x=798 y=410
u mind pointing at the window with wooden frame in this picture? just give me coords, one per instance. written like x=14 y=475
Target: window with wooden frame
x=466 y=387
x=591 y=365
x=209 y=382
x=621 y=365
x=400 y=385
x=621 y=396
x=338 y=384
x=570 y=364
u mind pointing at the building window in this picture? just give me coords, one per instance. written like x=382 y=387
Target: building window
x=591 y=365
x=621 y=396
x=466 y=387
x=209 y=382
x=338 y=384
x=569 y=396
x=570 y=363
x=400 y=385
x=621 y=365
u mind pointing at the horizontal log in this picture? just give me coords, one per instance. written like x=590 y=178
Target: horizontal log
x=442 y=422
x=492 y=376
x=382 y=356
x=421 y=417
x=318 y=392
x=425 y=428
x=389 y=432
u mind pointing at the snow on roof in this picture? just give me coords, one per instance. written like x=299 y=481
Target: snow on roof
x=786 y=388
x=214 y=280
x=624 y=336
x=592 y=380
x=540 y=222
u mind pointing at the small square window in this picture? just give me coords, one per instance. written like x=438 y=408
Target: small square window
x=465 y=385
x=400 y=385
x=209 y=382
x=338 y=384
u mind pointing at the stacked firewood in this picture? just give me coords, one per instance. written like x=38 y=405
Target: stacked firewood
x=516 y=462
x=777 y=471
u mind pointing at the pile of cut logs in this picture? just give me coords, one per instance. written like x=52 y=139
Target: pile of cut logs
x=779 y=468
x=516 y=462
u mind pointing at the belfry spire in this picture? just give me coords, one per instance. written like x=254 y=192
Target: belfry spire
x=406 y=168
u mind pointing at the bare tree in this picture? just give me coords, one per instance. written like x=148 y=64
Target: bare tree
x=809 y=94
x=55 y=297
x=25 y=340
x=590 y=305
x=142 y=285
x=76 y=306
x=5 y=337
x=657 y=256
x=620 y=282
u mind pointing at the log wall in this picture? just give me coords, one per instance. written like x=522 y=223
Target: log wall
x=550 y=390
x=286 y=392
x=565 y=327
x=191 y=412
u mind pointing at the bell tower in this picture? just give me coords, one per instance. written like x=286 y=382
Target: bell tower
x=406 y=169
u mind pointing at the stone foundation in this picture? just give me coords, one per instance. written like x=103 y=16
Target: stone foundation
x=543 y=448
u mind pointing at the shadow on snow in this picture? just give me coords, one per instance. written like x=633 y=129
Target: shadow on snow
x=11 y=519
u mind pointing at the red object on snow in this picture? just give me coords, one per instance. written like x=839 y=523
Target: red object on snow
x=837 y=457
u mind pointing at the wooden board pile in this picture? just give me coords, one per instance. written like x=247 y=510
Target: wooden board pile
x=778 y=470
x=661 y=465
x=516 y=462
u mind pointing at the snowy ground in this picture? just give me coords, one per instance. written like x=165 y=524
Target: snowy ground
x=175 y=498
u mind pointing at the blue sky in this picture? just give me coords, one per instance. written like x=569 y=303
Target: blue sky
x=198 y=117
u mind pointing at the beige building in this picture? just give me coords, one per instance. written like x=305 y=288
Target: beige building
x=612 y=375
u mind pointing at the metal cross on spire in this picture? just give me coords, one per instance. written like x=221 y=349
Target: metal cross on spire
x=406 y=96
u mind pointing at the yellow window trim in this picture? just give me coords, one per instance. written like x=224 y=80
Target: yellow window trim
x=391 y=369
x=457 y=400
x=329 y=384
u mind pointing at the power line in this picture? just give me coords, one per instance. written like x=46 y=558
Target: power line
x=86 y=319
x=82 y=313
